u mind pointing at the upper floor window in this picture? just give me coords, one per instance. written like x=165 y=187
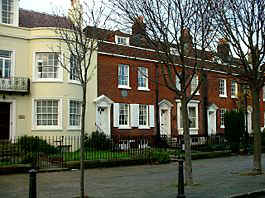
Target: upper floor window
x=143 y=115
x=194 y=84
x=73 y=68
x=7 y=11
x=233 y=89
x=222 y=88
x=47 y=65
x=122 y=40
x=123 y=76
x=5 y=64
x=222 y=118
x=142 y=78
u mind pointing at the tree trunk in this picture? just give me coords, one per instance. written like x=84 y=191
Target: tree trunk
x=257 y=134
x=82 y=178
x=157 y=135
x=186 y=133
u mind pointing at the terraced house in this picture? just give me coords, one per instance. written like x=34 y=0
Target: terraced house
x=39 y=98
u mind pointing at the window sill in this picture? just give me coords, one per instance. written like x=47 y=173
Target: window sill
x=74 y=82
x=223 y=96
x=143 y=127
x=47 y=129
x=193 y=131
x=74 y=128
x=143 y=89
x=233 y=96
x=124 y=87
x=222 y=126
x=48 y=81
x=124 y=127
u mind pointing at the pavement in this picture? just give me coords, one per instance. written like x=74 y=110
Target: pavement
x=213 y=178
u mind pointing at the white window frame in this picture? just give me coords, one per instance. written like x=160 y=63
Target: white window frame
x=224 y=95
x=35 y=69
x=47 y=128
x=235 y=88
x=12 y=61
x=13 y=12
x=222 y=118
x=144 y=77
x=192 y=103
x=174 y=51
x=193 y=85
x=74 y=81
x=74 y=127
x=128 y=77
x=144 y=126
x=118 y=38
x=124 y=126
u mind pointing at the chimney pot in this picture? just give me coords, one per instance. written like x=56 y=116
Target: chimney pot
x=139 y=26
x=223 y=49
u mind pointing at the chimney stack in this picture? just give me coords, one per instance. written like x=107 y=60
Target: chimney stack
x=139 y=27
x=223 y=49
x=186 y=41
x=75 y=13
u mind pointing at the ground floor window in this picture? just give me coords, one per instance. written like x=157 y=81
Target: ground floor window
x=74 y=114
x=143 y=115
x=193 y=114
x=124 y=114
x=47 y=113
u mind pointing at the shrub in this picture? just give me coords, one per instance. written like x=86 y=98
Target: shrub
x=234 y=128
x=35 y=144
x=98 y=141
x=160 y=157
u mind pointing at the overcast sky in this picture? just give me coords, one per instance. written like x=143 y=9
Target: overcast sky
x=45 y=5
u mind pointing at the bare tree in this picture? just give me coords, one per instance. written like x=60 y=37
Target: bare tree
x=242 y=24
x=80 y=35
x=177 y=30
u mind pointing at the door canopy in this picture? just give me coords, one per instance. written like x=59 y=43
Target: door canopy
x=103 y=101
x=165 y=104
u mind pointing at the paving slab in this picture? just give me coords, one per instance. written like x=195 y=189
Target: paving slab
x=213 y=178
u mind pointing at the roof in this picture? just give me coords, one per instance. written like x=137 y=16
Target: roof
x=32 y=19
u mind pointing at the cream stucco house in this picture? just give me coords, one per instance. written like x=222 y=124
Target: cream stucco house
x=37 y=96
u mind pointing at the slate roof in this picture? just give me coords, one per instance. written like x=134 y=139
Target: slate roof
x=32 y=19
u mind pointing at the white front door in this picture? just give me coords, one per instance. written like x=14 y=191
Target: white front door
x=103 y=120
x=164 y=122
x=211 y=122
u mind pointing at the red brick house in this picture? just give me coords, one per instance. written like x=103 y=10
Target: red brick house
x=131 y=96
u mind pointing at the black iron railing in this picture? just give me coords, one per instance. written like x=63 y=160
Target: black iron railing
x=14 y=84
x=57 y=151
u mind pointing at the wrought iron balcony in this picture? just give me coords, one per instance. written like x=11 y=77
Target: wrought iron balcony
x=16 y=85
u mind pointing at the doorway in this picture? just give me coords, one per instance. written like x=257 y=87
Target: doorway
x=4 y=120
x=164 y=122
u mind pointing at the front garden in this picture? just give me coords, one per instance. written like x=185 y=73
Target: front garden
x=64 y=152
